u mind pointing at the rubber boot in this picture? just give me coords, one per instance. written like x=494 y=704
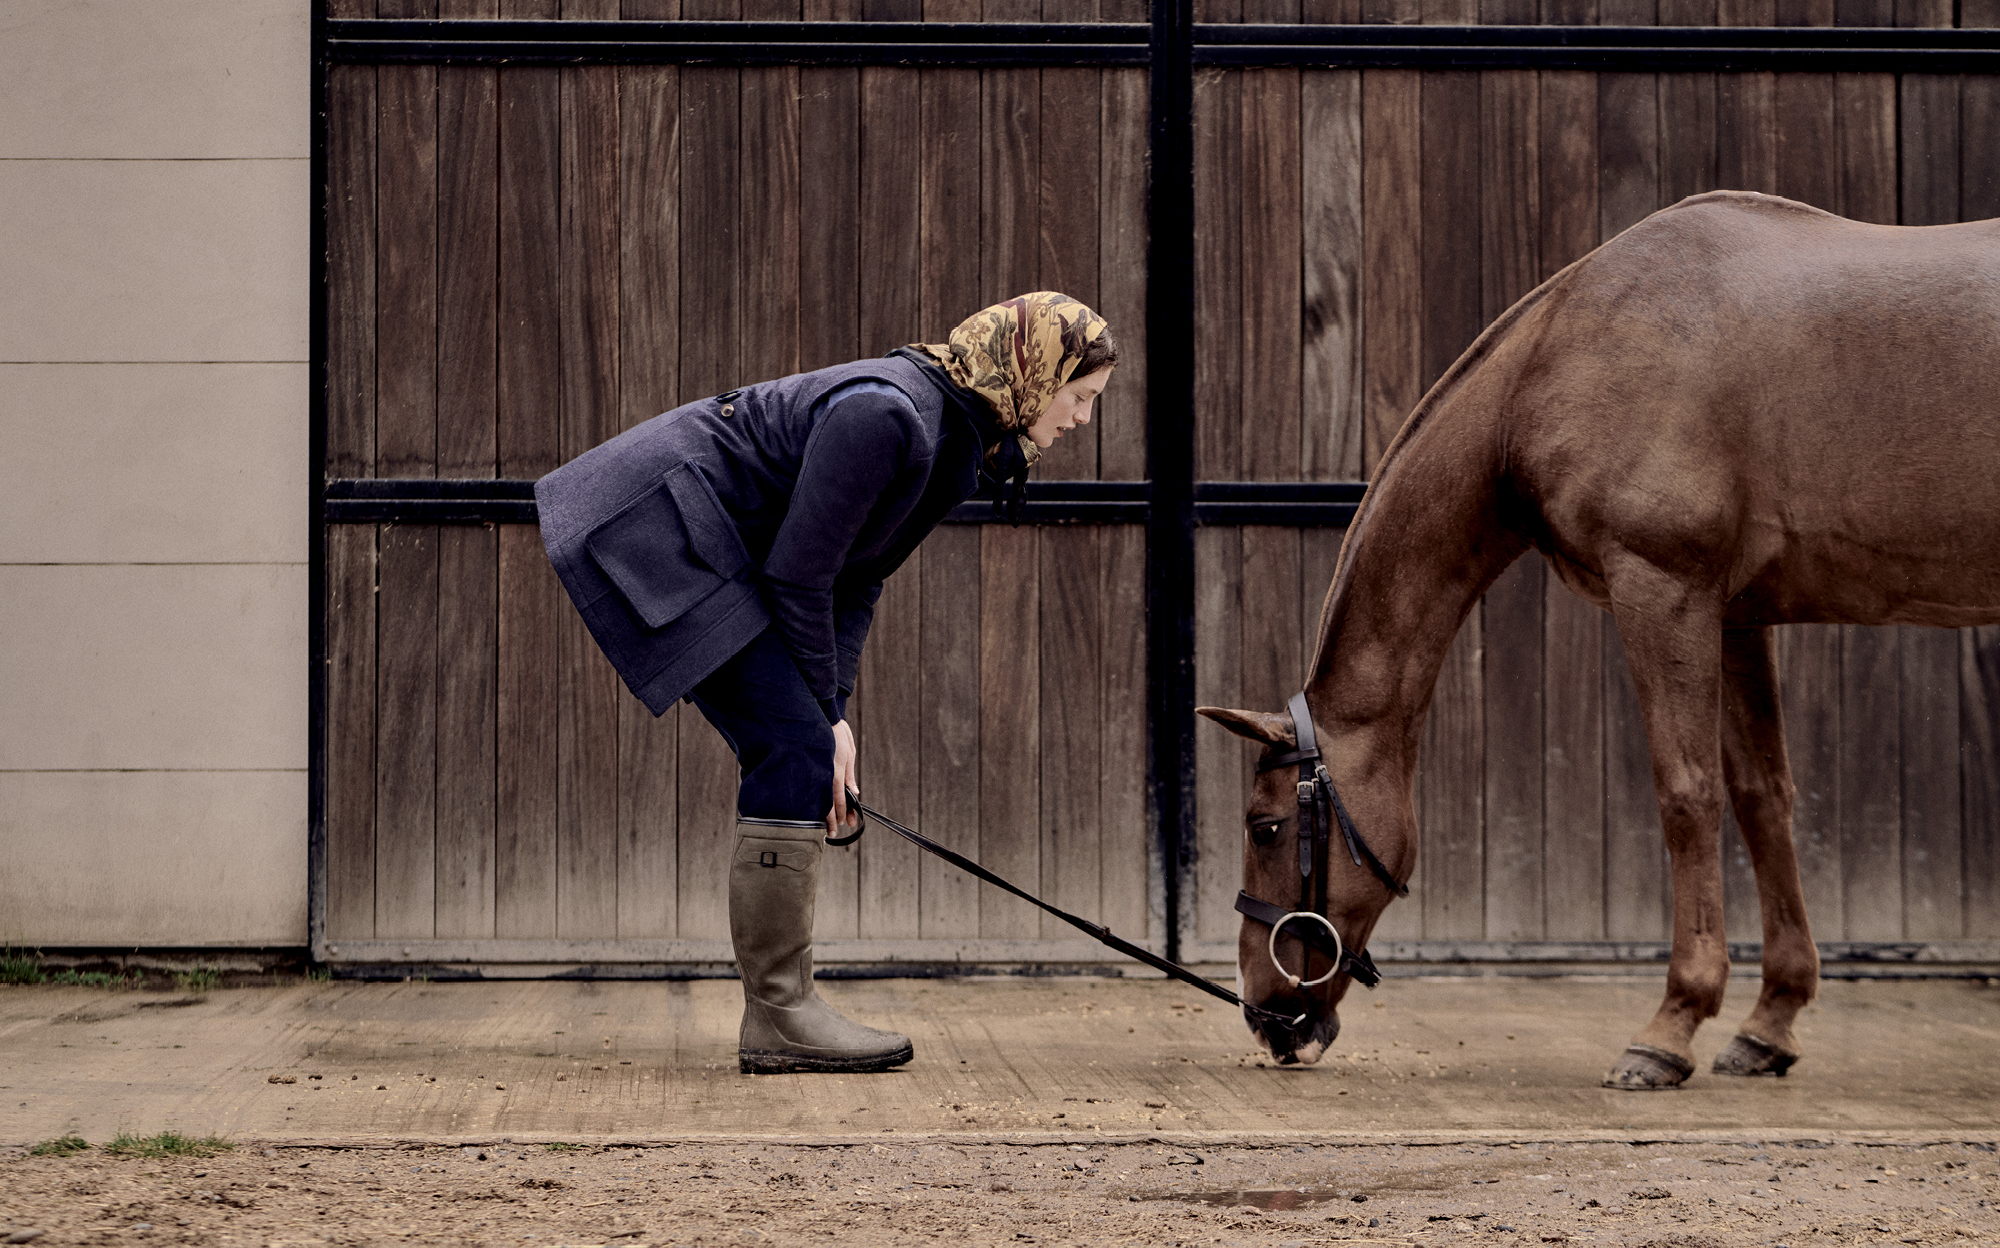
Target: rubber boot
x=773 y=882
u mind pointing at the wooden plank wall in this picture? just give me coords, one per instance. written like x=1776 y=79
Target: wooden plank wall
x=526 y=261
x=1356 y=230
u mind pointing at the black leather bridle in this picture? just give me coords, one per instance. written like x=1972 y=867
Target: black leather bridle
x=1315 y=790
x=1320 y=810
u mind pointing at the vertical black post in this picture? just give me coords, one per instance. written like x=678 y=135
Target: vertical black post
x=1170 y=449
x=316 y=623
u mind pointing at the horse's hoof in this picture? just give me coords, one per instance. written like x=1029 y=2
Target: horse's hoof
x=1747 y=1055
x=1643 y=1068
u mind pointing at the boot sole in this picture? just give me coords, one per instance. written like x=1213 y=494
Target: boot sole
x=763 y=1062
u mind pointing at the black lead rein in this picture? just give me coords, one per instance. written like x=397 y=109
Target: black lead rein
x=1101 y=933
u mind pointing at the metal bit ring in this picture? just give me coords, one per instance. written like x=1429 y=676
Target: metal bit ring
x=1340 y=950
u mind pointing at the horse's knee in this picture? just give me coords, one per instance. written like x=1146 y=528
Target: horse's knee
x=1690 y=808
x=788 y=772
x=1764 y=803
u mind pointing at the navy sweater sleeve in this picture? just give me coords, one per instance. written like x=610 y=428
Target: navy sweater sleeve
x=856 y=449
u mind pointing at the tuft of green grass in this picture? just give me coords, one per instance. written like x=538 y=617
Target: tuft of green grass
x=319 y=975
x=61 y=1146
x=166 y=1144
x=560 y=1147
x=20 y=967
x=197 y=980
x=95 y=979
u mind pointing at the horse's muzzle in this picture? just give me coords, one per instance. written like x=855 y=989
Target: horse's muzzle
x=1300 y=1043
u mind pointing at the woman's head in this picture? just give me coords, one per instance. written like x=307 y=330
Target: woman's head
x=1071 y=406
x=1039 y=360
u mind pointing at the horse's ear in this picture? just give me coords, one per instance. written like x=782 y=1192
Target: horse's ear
x=1256 y=725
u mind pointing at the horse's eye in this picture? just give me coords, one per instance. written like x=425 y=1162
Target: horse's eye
x=1264 y=833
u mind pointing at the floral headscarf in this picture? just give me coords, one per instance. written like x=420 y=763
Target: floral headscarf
x=1017 y=354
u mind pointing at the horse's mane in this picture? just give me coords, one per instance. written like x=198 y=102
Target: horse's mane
x=1482 y=347
x=1413 y=428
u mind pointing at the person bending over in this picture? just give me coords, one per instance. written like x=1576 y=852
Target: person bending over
x=731 y=551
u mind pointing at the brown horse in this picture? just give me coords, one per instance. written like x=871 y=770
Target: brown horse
x=1741 y=412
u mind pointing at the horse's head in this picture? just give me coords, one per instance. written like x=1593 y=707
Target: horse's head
x=1354 y=899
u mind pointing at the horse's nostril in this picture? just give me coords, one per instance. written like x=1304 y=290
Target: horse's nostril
x=1302 y=1042
x=1285 y=1043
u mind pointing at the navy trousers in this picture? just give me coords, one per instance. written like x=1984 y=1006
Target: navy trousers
x=759 y=702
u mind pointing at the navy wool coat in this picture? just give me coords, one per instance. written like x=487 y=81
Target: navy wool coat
x=682 y=539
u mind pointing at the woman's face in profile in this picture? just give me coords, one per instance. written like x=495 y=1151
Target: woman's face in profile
x=1069 y=408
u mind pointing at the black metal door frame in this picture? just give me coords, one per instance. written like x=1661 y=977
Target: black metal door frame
x=1170 y=503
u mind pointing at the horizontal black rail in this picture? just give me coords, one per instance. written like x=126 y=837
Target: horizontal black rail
x=1300 y=504
x=1068 y=502
x=997 y=44
x=1849 y=37
x=1610 y=60
x=925 y=56
x=542 y=43
x=490 y=500
x=430 y=500
x=1823 y=48
x=404 y=30
x=479 y=488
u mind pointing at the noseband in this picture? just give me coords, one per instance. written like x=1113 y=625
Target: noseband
x=1317 y=794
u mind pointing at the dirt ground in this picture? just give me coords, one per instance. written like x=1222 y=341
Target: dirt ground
x=1043 y=1111
x=1795 y=1193
x=997 y=1060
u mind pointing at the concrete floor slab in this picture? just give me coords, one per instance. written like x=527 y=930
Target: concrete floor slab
x=1006 y=1058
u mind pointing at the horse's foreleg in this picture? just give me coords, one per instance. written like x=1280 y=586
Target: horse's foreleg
x=1670 y=630
x=1760 y=788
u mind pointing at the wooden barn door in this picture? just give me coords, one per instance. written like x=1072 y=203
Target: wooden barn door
x=521 y=262
x=1357 y=229
x=524 y=262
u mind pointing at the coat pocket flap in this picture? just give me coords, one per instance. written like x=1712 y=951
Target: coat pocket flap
x=710 y=531
x=774 y=854
x=644 y=550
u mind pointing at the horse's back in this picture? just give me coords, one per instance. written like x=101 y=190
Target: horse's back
x=1809 y=404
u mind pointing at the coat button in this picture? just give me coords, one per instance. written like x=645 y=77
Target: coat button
x=728 y=410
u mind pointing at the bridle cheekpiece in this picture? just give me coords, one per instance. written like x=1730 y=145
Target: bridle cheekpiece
x=1317 y=795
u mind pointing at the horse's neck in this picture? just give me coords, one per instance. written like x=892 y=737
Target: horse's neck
x=1428 y=542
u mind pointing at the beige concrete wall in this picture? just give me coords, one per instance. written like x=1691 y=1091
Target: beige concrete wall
x=153 y=412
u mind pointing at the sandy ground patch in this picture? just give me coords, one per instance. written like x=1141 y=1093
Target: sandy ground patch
x=648 y=1062
x=1679 y=1195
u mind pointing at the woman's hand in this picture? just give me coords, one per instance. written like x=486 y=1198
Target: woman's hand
x=843 y=780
